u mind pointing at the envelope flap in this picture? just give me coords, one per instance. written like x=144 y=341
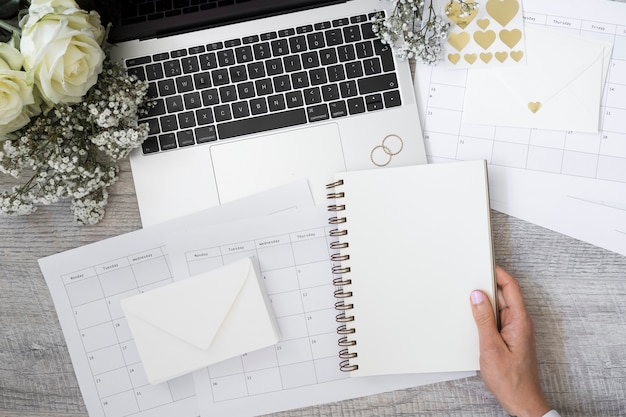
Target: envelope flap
x=193 y=309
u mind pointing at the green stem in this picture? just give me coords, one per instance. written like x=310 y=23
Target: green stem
x=10 y=28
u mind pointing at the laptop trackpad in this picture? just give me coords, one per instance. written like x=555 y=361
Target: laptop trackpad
x=253 y=165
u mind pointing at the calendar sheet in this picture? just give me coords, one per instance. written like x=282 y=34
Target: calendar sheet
x=87 y=284
x=289 y=239
x=571 y=182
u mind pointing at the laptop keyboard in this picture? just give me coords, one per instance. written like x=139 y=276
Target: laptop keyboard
x=278 y=79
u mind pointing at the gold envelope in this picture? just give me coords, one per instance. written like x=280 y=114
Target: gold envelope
x=560 y=88
x=196 y=322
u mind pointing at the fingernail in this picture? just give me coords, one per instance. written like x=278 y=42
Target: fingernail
x=477 y=297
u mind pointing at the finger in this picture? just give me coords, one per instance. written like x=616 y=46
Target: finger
x=488 y=335
x=510 y=292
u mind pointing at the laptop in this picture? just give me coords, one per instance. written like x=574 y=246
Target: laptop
x=254 y=94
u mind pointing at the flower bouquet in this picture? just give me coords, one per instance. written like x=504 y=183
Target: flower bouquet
x=67 y=113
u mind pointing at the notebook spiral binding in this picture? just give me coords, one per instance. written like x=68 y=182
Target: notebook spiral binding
x=342 y=294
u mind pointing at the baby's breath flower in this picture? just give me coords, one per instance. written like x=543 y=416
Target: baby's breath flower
x=413 y=30
x=73 y=150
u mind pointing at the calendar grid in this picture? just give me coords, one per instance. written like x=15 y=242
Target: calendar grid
x=295 y=269
x=600 y=156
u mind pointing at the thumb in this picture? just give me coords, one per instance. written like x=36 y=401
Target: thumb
x=488 y=333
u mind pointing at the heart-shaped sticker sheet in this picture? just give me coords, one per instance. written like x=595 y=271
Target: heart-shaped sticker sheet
x=488 y=33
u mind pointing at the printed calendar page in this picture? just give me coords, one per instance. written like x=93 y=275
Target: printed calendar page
x=557 y=179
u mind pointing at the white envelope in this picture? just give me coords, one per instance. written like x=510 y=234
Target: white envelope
x=191 y=324
x=560 y=88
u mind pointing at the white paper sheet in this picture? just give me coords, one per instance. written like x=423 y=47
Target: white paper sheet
x=571 y=182
x=303 y=368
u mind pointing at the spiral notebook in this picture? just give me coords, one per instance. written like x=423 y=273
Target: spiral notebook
x=412 y=243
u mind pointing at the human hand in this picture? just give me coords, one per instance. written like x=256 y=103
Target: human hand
x=508 y=358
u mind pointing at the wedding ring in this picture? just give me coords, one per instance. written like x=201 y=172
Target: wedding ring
x=382 y=154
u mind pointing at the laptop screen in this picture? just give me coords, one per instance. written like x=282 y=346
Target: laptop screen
x=143 y=19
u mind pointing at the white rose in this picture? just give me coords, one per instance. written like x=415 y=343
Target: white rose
x=62 y=50
x=16 y=91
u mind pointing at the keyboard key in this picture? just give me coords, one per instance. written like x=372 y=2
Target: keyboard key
x=364 y=49
x=244 y=54
x=138 y=72
x=310 y=60
x=256 y=70
x=192 y=100
x=174 y=104
x=268 y=36
x=348 y=89
x=238 y=73
x=186 y=120
x=262 y=50
x=226 y=57
x=240 y=109
x=356 y=105
x=328 y=56
x=351 y=33
x=297 y=44
x=282 y=83
x=250 y=39
x=166 y=87
x=338 y=109
x=208 y=61
x=205 y=134
x=202 y=80
x=392 y=98
x=371 y=66
x=333 y=37
x=280 y=47
x=312 y=96
x=286 y=32
x=228 y=93
x=153 y=126
x=318 y=76
x=292 y=63
x=158 y=109
x=304 y=29
x=386 y=55
x=245 y=90
x=378 y=83
x=220 y=77
x=210 y=97
x=300 y=80
x=330 y=92
x=184 y=84
x=341 y=22
x=150 y=145
x=316 y=40
x=154 y=71
x=190 y=64
x=374 y=102
x=204 y=116
x=274 y=66
x=354 y=69
x=223 y=113
x=185 y=138
x=346 y=53
x=336 y=73
x=317 y=113
x=167 y=141
x=232 y=43
x=168 y=123
x=359 y=19
x=264 y=86
x=133 y=62
x=261 y=123
x=367 y=31
x=276 y=103
x=294 y=99
x=172 y=68
x=258 y=106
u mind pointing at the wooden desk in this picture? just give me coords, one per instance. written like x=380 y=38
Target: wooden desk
x=575 y=292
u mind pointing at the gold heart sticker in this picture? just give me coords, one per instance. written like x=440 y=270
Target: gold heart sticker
x=471 y=58
x=503 y=11
x=483 y=23
x=485 y=39
x=454 y=58
x=486 y=57
x=501 y=56
x=534 y=106
x=510 y=37
x=459 y=40
x=517 y=55
x=453 y=11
